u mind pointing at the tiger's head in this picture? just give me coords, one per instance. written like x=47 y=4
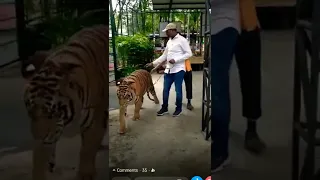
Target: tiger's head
x=34 y=63
x=126 y=92
x=45 y=94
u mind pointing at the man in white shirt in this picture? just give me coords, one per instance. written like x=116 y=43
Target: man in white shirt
x=225 y=27
x=176 y=52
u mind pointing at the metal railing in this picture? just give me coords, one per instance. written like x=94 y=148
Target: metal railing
x=8 y=36
x=206 y=93
x=306 y=81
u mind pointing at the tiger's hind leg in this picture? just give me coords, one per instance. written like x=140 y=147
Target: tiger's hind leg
x=137 y=108
x=91 y=143
x=154 y=94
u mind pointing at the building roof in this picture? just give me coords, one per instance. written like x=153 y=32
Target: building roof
x=200 y=4
x=178 y=4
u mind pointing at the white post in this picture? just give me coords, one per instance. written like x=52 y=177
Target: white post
x=188 y=25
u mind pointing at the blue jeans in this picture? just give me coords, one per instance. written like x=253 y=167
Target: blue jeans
x=222 y=50
x=177 y=79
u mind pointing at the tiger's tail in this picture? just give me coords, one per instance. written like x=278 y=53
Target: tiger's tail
x=149 y=96
x=151 y=89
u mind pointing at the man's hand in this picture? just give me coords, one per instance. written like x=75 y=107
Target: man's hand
x=172 y=61
x=148 y=65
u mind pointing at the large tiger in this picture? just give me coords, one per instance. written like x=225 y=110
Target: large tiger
x=131 y=91
x=70 y=88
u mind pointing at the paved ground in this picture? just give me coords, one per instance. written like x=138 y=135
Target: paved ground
x=171 y=146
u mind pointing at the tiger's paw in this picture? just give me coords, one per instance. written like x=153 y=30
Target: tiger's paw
x=156 y=102
x=136 y=117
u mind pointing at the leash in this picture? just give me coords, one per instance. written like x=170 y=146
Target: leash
x=157 y=80
x=162 y=74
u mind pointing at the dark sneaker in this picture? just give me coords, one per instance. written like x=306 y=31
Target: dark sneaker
x=218 y=164
x=162 y=112
x=253 y=143
x=177 y=113
x=189 y=106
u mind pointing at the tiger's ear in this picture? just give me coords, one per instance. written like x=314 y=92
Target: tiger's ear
x=41 y=55
x=33 y=64
x=67 y=67
x=119 y=81
x=130 y=82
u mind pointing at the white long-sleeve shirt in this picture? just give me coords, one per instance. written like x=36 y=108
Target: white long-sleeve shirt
x=224 y=14
x=178 y=49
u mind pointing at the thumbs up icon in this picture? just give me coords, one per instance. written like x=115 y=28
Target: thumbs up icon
x=153 y=170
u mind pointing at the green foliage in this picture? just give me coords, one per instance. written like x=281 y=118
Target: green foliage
x=59 y=29
x=125 y=71
x=157 y=56
x=158 y=42
x=134 y=52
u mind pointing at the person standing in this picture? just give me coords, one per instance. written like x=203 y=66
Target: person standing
x=225 y=42
x=248 y=58
x=188 y=83
x=176 y=52
x=225 y=28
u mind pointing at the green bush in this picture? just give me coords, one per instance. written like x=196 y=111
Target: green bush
x=134 y=52
x=59 y=29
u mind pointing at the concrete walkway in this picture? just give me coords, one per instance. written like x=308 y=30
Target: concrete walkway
x=172 y=146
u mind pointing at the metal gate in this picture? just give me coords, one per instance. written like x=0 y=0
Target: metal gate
x=306 y=77
x=206 y=91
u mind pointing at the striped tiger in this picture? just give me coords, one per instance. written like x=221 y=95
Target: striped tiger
x=131 y=91
x=70 y=90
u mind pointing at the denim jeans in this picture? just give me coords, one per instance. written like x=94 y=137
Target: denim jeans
x=177 y=79
x=222 y=50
